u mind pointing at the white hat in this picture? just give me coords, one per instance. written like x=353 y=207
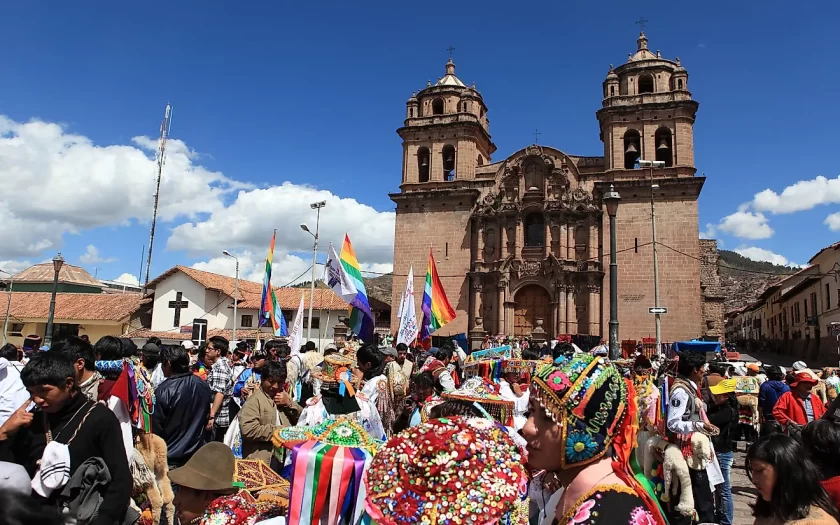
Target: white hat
x=189 y=345
x=799 y=365
x=13 y=477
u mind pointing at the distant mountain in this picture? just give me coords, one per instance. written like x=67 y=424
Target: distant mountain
x=732 y=263
x=743 y=280
x=381 y=288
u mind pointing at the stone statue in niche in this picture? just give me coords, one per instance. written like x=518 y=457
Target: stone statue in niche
x=489 y=241
x=511 y=239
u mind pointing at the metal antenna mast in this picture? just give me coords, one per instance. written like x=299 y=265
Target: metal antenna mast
x=161 y=159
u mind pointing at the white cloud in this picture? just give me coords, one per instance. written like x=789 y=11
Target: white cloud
x=833 y=222
x=746 y=225
x=13 y=267
x=248 y=222
x=128 y=278
x=81 y=185
x=285 y=268
x=760 y=254
x=709 y=232
x=91 y=256
x=800 y=196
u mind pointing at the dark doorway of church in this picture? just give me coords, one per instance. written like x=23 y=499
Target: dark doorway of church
x=532 y=303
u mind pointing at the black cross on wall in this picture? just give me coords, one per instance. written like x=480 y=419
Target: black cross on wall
x=178 y=304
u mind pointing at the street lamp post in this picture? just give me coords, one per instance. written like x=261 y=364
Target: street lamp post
x=235 y=293
x=611 y=199
x=57 y=261
x=655 y=164
x=315 y=206
x=8 y=305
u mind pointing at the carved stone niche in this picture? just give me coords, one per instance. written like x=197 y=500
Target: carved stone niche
x=489 y=241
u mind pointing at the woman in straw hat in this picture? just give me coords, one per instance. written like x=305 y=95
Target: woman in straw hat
x=581 y=429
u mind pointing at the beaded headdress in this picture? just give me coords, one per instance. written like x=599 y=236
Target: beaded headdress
x=467 y=468
x=588 y=398
x=481 y=391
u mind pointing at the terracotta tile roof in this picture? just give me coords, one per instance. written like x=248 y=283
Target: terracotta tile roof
x=45 y=273
x=250 y=292
x=73 y=306
x=834 y=246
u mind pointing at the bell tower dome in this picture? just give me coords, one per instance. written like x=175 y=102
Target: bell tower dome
x=445 y=133
x=648 y=113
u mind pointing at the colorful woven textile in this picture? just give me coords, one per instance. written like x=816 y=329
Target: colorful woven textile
x=467 y=468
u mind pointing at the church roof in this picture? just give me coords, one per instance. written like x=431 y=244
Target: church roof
x=73 y=306
x=449 y=79
x=44 y=273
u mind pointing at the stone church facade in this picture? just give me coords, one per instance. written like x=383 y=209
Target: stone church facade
x=523 y=242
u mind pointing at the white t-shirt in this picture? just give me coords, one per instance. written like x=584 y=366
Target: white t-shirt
x=12 y=392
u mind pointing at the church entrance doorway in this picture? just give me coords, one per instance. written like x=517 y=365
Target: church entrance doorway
x=532 y=303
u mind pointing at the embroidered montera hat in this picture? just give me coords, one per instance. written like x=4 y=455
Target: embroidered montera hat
x=479 y=390
x=448 y=470
x=588 y=398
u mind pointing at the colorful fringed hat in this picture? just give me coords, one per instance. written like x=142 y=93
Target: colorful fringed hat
x=328 y=461
x=336 y=373
x=588 y=398
x=479 y=390
x=463 y=468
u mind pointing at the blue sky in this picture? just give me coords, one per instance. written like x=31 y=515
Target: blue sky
x=310 y=95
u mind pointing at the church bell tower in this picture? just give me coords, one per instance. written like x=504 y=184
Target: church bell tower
x=445 y=133
x=648 y=113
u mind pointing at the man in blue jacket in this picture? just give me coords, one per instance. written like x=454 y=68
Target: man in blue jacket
x=768 y=395
x=182 y=407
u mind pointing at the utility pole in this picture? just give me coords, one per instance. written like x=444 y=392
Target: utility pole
x=315 y=206
x=655 y=164
x=165 y=127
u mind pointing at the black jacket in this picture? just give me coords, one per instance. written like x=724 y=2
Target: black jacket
x=99 y=436
x=725 y=417
x=182 y=409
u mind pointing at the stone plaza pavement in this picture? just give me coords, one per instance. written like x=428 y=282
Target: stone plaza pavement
x=743 y=491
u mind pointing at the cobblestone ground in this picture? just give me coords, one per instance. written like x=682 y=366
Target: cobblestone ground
x=743 y=491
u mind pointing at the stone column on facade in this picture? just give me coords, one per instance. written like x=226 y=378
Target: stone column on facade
x=561 y=314
x=571 y=311
x=480 y=241
x=594 y=309
x=477 y=330
x=500 y=308
x=570 y=241
x=503 y=238
x=519 y=235
x=593 y=242
x=554 y=329
x=546 y=238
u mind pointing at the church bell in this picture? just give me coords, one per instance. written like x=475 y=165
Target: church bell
x=424 y=162
x=662 y=145
x=450 y=159
x=631 y=149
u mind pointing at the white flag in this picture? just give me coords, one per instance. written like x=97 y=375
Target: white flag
x=336 y=277
x=296 y=335
x=407 y=315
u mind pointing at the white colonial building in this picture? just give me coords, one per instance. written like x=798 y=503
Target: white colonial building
x=184 y=294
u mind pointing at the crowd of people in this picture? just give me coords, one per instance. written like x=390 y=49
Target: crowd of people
x=515 y=432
